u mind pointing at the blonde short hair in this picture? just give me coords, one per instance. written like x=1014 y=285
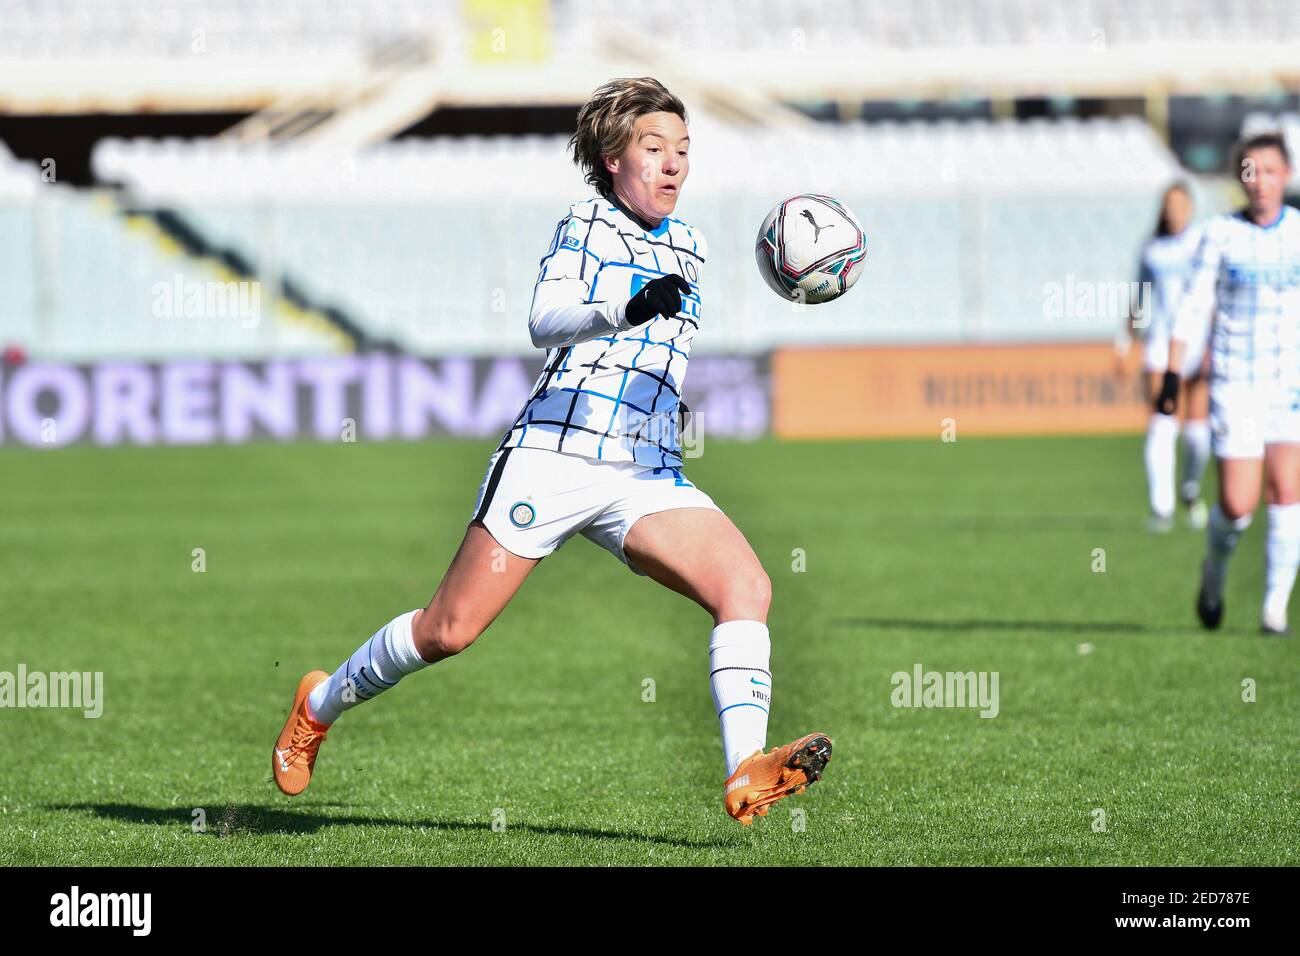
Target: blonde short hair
x=606 y=121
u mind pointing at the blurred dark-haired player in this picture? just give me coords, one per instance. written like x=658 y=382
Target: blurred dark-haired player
x=1247 y=274
x=1162 y=273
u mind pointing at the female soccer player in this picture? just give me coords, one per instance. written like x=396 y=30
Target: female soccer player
x=1162 y=272
x=1247 y=273
x=595 y=451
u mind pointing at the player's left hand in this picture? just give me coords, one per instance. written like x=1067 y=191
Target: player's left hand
x=662 y=296
x=1167 y=400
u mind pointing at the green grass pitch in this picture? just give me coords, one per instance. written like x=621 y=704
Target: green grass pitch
x=977 y=555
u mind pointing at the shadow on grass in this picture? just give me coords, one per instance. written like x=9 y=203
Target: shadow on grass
x=1047 y=627
x=235 y=820
x=1028 y=524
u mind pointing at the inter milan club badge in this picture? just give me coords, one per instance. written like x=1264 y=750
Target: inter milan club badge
x=522 y=514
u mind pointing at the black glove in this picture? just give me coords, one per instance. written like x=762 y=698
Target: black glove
x=1167 y=400
x=663 y=297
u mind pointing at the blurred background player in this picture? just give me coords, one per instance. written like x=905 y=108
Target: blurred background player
x=1162 y=272
x=1247 y=273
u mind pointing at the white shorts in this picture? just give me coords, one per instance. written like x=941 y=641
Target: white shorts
x=1155 y=353
x=534 y=499
x=1244 y=418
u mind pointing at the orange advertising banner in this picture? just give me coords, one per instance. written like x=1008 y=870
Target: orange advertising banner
x=985 y=389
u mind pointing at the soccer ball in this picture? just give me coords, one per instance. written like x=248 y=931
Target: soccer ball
x=810 y=249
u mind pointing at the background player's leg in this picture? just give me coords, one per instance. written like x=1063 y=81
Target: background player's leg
x=700 y=553
x=1282 y=481
x=1239 y=480
x=480 y=582
x=1196 y=447
x=1159 y=453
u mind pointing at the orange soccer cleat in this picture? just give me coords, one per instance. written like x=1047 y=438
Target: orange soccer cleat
x=299 y=740
x=764 y=778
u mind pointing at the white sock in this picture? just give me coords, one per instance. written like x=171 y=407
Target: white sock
x=1283 y=558
x=742 y=686
x=1221 y=537
x=377 y=665
x=1196 y=454
x=1160 y=454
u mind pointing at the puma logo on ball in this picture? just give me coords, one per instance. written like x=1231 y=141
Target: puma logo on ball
x=817 y=230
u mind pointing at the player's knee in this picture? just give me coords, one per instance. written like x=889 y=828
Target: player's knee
x=443 y=634
x=748 y=597
x=1237 y=504
x=762 y=588
x=1282 y=490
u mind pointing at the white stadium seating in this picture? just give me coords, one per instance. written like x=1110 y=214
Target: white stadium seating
x=434 y=244
x=82 y=282
x=771 y=24
x=123 y=28
x=64 y=55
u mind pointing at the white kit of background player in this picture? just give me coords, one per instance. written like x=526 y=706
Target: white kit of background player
x=1162 y=274
x=1246 y=274
x=595 y=451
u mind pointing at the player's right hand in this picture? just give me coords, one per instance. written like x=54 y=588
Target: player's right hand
x=1167 y=400
x=662 y=296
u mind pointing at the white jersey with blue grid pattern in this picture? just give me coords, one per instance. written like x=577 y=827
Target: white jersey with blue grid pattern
x=1247 y=277
x=1166 y=263
x=613 y=395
